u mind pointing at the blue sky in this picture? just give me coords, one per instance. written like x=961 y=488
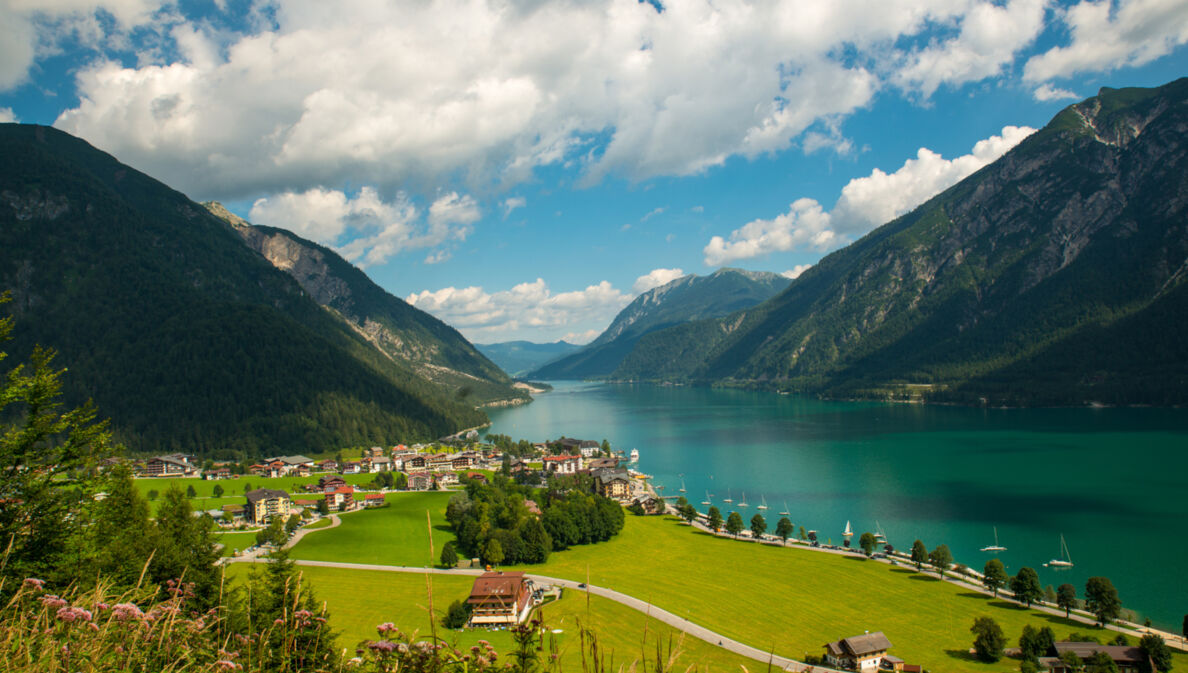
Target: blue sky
x=524 y=168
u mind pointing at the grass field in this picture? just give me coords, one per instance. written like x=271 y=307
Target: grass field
x=791 y=599
x=394 y=535
x=233 y=541
x=358 y=600
x=238 y=486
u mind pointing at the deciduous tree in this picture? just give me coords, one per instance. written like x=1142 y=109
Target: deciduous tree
x=714 y=517
x=1035 y=643
x=1026 y=586
x=1066 y=597
x=493 y=552
x=989 y=640
x=868 y=543
x=449 y=556
x=784 y=529
x=1101 y=598
x=218 y=490
x=941 y=559
x=1157 y=650
x=758 y=526
x=919 y=554
x=734 y=524
x=994 y=575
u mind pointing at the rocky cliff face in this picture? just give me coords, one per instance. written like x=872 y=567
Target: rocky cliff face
x=1078 y=227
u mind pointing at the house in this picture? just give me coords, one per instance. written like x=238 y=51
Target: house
x=259 y=470
x=652 y=504
x=330 y=483
x=375 y=451
x=420 y=481
x=373 y=500
x=477 y=476
x=351 y=468
x=312 y=504
x=236 y=511
x=263 y=504
x=379 y=464
x=499 y=598
x=447 y=479
x=462 y=461
x=440 y=461
x=589 y=448
x=532 y=507
x=614 y=483
x=1127 y=659
x=283 y=466
x=416 y=462
x=563 y=464
x=175 y=465
x=602 y=463
x=858 y=653
x=519 y=465
x=328 y=465
x=217 y=473
x=341 y=498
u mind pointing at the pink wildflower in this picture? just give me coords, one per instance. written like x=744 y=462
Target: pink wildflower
x=382 y=646
x=386 y=627
x=34 y=583
x=51 y=601
x=125 y=611
x=227 y=665
x=278 y=621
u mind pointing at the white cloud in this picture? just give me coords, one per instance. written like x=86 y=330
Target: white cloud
x=398 y=95
x=581 y=338
x=655 y=278
x=365 y=229
x=864 y=204
x=795 y=271
x=989 y=38
x=653 y=213
x=511 y=203
x=1046 y=92
x=1107 y=35
x=7 y=116
x=528 y=309
x=697 y=209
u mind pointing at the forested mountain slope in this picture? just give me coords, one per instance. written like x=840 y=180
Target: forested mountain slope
x=1052 y=276
x=685 y=299
x=184 y=336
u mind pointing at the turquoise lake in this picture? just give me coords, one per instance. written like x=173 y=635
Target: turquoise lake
x=1111 y=481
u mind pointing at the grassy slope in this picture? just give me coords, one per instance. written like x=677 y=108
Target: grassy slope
x=358 y=600
x=396 y=535
x=792 y=599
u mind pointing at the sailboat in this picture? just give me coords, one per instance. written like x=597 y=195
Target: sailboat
x=682 y=485
x=849 y=531
x=707 y=499
x=1065 y=560
x=728 y=498
x=743 y=502
x=764 y=505
x=995 y=547
x=786 y=512
x=880 y=537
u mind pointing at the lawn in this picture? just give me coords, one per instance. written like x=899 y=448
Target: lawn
x=393 y=535
x=239 y=485
x=233 y=541
x=358 y=600
x=791 y=599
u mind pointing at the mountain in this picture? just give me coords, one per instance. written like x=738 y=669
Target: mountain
x=685 y=299
x=520 y=357
x=408 y=336
x=184 y=336
x=1055 y=275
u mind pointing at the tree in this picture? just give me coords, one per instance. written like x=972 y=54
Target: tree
x=218 y=490
x=1100 y=662
x=121 y=532
x=276 y=592
x=1157 y=650
x=758 y=526
x=1101 y=598
x=989 y=640
x=994 y=575
x=449 y=556
x=802 y=535
x=941 y=559
x=185 y=547
x=734 y=524
x=1066 y=597
x=273 y=533
x=715 y=519
x=190 y=492
x=1035 y=643
x=1071 y=661
x=868 y=543
x=493 y=552
x=1026 y=586
x=247 y=488
x=919 y=554
x=784 y=529
x=153 y=494
x=323 y=507
x=457 y=616
x=688 y=513
x=293 y=523
x=1121 y=640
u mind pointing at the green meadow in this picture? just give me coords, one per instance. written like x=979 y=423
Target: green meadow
x=359 y=600
x=233 y=541
x=793 y=600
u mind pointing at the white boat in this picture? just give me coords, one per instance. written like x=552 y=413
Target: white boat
x=707 y=499
x=635 y=455
x=743 y=502
x=764 y=505
x=849 y=532
x=728 y=498
x=995 y=547
x=1065 y=560
x=786 y=512
x=682 y=486
x=880 y=537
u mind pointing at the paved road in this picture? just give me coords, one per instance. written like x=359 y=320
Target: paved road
x=679 y=623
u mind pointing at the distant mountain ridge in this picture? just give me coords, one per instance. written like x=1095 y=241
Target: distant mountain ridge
x=1054 y=275
x=407 y=335
x=190 y=340
x=520 y=357
x=685 y=299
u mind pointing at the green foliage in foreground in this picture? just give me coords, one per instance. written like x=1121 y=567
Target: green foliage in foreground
x=989 y=640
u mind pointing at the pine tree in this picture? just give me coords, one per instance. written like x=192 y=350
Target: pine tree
x=121 y=531
x=185 y=548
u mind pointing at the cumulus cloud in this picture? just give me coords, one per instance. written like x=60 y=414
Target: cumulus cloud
x=527 y=308
x=988 y=40
x=7 y=116
x=1046 y=92
x=795 y=271
x=398 y=95
x=1108 y=35
x=511 y=203
x=581 y=338
x=864 y=204
x=366 y=229
x=655 y=278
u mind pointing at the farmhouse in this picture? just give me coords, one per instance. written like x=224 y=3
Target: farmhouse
x=858 y=653
x=351 y=467
x=328 y=465
x=1128 y=659
x=265 y=503
x=500 y=598
x=373 y=500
